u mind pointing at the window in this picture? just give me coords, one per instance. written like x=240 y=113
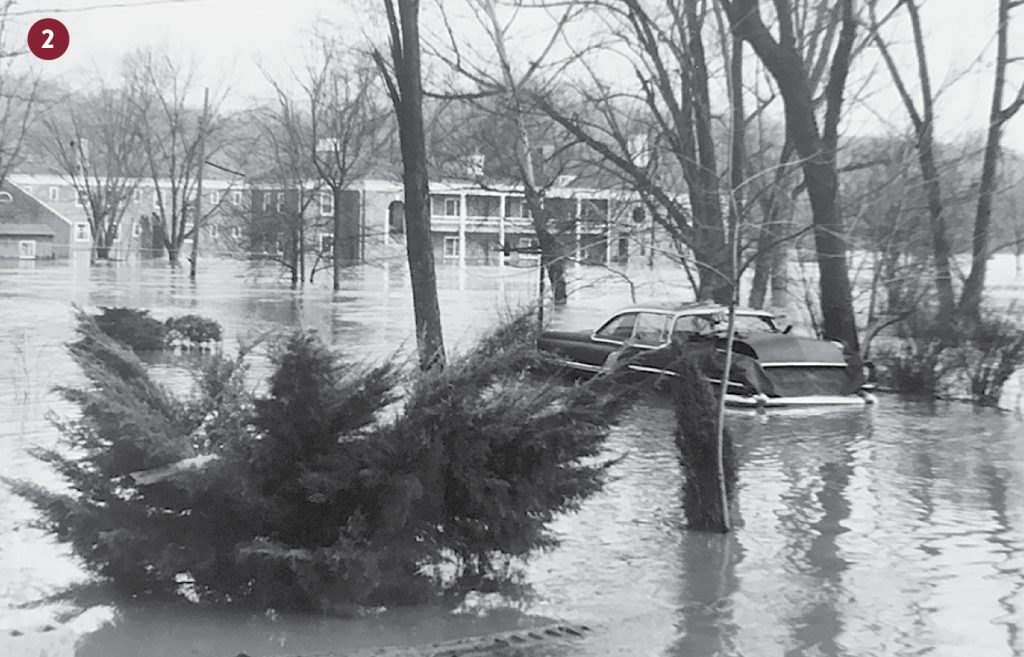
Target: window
x=214 y=231
x=236 y=197
x=529 y=248
x=81 y=232
x=137 y=195
x=651 y=329
x=618 y=328
x=5 y=197
x=451 y=207
x=516 y=207
x=396 y=218
x=451 y=247
x=214 y=198
x=266 y=201
x=280 y=201
x=326 y=243
x=54 y=194
x=83 y=198
x=482 y=206
x=326 y=204
x=137 y=230
x=236 y=232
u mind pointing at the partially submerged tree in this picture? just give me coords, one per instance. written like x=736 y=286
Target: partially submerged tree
x=662 y=130
x=286 y=198
x=816 y=146
x=347 y=130
x=999 y=113
x=19 y=100
x=172 y=131
x=405 y=88
x=504 y=93
x=95 y=138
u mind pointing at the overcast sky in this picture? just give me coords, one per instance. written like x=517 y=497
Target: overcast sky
x=230 y=38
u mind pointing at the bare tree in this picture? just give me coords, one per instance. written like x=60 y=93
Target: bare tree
x=172 y=132
x=504 y=93
x=663 y=129
x=815 y=146
x=347 y=128
x=999 y=114
x=96 y=142
x=405 y=88
x=923 y=121
x=19 y=97
x=287 y=188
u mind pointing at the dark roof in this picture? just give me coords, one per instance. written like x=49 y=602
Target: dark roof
x=26 y=230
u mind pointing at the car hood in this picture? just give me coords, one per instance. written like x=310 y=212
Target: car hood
x=781 y=348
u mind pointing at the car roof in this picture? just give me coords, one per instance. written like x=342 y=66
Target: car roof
x=692 y=308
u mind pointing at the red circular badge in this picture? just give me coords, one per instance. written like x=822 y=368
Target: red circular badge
x=48 y=38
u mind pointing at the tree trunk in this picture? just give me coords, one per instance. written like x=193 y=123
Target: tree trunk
x=974 y=286
x=816 y=151
x=102 y=241
x=406 y=91
x=553 y=260
x=714 y=265
x=172 y=253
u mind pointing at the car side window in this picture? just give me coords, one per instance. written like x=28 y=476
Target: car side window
x=618 y=328
x=651 y=329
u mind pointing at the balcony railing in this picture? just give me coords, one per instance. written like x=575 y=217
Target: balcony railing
x=474 y=224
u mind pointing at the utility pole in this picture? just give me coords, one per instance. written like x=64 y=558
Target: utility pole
x=194 y=260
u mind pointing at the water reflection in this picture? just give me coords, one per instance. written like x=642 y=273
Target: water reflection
x=898 y=530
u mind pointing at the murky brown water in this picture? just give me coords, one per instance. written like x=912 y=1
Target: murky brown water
x=895 y=530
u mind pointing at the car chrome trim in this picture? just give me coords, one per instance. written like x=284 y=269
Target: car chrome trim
x=652 y=370
x=809 y=400
x=575 y=364
x=718 y=382
x=801 y=364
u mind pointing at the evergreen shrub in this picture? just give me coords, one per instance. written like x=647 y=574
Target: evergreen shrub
x=342 y=485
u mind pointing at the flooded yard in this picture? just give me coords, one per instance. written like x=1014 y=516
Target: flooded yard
x=889 y=530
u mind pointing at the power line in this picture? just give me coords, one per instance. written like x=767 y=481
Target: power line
x=110 y=5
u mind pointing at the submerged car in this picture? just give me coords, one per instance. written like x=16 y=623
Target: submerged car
x=770 y=367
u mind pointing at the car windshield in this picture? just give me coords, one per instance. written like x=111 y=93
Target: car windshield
x=715 y=322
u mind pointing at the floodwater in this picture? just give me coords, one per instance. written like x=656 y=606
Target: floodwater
x=892 y=530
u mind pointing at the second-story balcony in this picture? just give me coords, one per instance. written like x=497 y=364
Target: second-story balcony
x=476 y=224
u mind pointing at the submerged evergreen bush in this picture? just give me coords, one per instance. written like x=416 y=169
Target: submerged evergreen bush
x=192 y=330
x=139 y=331
x=133 y=328
x=333 y=489
x=960 y=359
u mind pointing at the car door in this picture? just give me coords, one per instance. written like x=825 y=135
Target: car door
x=608 y=338
x=650 y=340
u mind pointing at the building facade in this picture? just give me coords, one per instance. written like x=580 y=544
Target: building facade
x=470 y=225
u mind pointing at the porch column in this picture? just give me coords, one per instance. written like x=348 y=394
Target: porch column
x=608 y=244
x=462 y=230
x=579 y=231
x=502 y=206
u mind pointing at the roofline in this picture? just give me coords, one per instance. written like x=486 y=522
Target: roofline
x=695 y=308
x=49 y=209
